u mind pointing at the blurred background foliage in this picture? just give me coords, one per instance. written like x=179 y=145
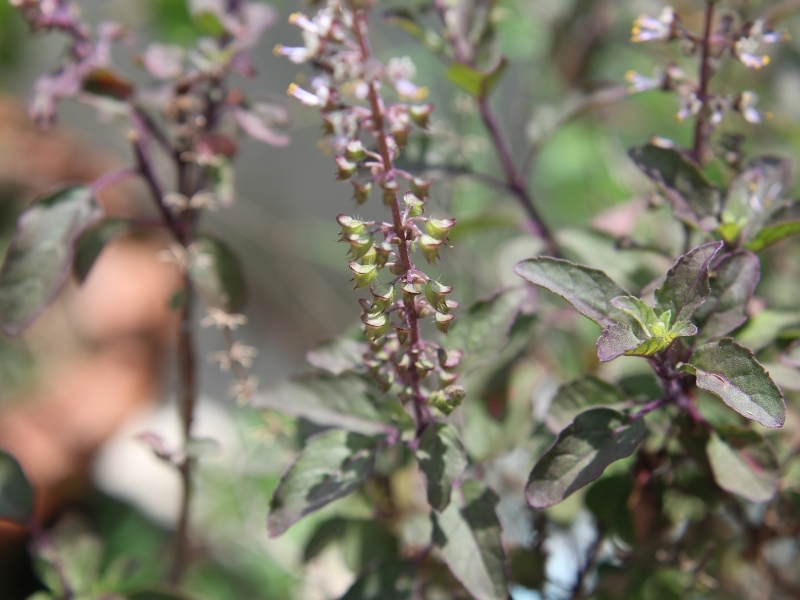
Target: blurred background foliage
x=283 y=229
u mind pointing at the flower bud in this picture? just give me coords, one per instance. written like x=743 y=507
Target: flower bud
x=363 y=275
x=354 y=151
x=414 y=205
x=443 y=321
x=435 y=294
x=448 y=399
x=455 y=394
x=429 y=247
x=383 y=296
x=345 y=168
x=400 y=135
x=439 y=228
x=375 y=325
x=420 y=114
x=361 y=191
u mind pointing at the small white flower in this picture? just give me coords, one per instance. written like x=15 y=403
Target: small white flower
x=746 y=105
x=647 y=28
x=243 y=354
x=222 y=320
x=204 y=199
x=304 y=96
x=690 y=106
x=222 y=357
x=177 y=201
x=399 y=72
x=243 y=389
x=640 y=83
x=175 y=254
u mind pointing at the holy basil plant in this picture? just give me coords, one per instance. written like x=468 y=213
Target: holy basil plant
x=702 y=298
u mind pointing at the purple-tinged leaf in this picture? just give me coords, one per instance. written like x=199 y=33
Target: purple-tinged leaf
x=469 y=538
x=393 y=580
x=733 y=282
x=732 y=372
x=594 y=440
x=743 y=463
x=40 y=254
x=441 y=460
x=16 y=493
x=589 y=290
x=579 y=396
x=616 y=340
x=332 y=465
x=693 y=196
x=341 y=401
x=91 y=243
x=686 y=286
x=258 y=127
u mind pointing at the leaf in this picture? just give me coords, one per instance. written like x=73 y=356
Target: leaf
x=392 y=580
x=341 y=401
x=338 y=356
x=693 y=196
x=91 y=243
x=441 y=459
x=686 y=286
x=482 y=332
x=40 y=254
x=16 y=493
x=743 y=463
x=332 y=465
x=643 y=314
x=474 y=82
x=616 y=340
x=772 y=234
x=730 y=371
x=590 y=291
x=594 y=440
x=763 y=328
x=326 y=533
x=574 y=398
x=733 y=283
x=216 y=274
x=470 y=542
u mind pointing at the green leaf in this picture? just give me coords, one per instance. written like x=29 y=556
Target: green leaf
x=338 y=356
x=341 y=401
x=40 y=254
x=687 y=286
x=16 y=493
x=733 y=283
x=71 y=557
x=772 y=234
x=483 y=331
x=616 y=340
x=91 y=243
x=763 y=328
x=332 y=465
x=693 y=196
x=574 y=398
x=730 y=371
x=469 y=539
x=216 y=274
x=474 y=82
x=590 y=291
x=743 y=463
x=441 y=460
x=325 y=534
x=607 y=498
x=594 y=440
x=643 y=314
x=389 y=581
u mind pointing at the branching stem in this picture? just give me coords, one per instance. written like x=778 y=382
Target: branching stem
x=701 y=128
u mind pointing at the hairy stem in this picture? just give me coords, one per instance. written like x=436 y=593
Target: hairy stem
x=701 y=127
x=421 y=411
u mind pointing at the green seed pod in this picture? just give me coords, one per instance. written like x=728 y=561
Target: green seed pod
x=443 y=321
x=375 y=325
x=402 y=333
x=383 y=296
x=438 y=400
x=435 y=294
x=420 y=187
x=369 y=257
x=429 y=246
x=354 y=151
x=363 y=275
x=345 y=168
x=360 y=244
x=420 y=114
x=361 y=191
x=350 y=225
x=439 y=228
